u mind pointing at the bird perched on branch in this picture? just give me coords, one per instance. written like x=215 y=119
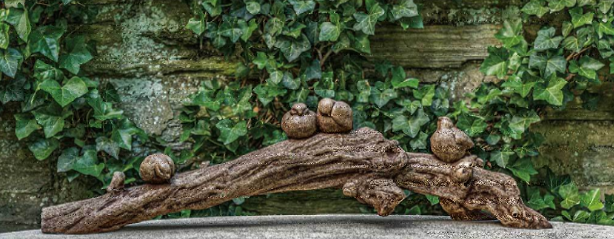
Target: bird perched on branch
x=299 y=122
x=334 y=116
x=449 y=143
x=157 y=169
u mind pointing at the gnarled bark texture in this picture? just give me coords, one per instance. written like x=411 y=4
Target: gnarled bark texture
x=367 y=166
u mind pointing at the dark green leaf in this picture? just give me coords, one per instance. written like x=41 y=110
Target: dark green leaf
x=78 y=55
x=66 y=94
x=45 y=40
x=88 y=164
x=67 y=159
x=301 y=6
x=25 y=125
x=42 y=148
x=496 y=63
x=230 y=132
x=552 y=93
x=10 y=61
x=546 y=40
x=20 y=20
x=405 y=8
x=366 y=22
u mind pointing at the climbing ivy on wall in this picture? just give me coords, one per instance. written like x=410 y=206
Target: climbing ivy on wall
x=562 y=62
x=301 y=51
x=57 y=110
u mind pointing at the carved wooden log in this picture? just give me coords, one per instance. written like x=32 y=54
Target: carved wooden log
x=365 y=164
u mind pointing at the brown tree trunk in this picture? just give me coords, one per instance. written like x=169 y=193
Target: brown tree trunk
x=367 y=166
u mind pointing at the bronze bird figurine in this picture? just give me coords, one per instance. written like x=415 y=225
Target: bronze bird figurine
x=334 y=116
x=449 y=143
x=157 y=169
x=299 y=122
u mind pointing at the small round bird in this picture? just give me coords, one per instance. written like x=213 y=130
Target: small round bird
x=334 y=116
x=157 y=169
x=299 y=122
x=449 y=143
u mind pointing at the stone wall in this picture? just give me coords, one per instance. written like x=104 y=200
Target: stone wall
x=155 y=63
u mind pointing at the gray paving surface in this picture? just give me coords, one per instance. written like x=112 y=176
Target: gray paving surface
x=332 y=226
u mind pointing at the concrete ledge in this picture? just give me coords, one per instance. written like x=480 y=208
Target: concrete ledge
x=332 y=226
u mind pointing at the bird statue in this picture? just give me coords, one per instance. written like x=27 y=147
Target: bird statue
x=157 y=169
x=117 y=182
x=449 y=143
x=299 y=122
x=334 y=116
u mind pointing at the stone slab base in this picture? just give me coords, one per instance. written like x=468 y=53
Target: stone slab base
x=332 y=226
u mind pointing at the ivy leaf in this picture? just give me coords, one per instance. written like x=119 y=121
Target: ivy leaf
x=51 y=120
x=229 y=132
x=519 y=124
x=102 y=110
x=78 y=55
x=538 y=203
x=293 y=30
x=88 y=164
x=570 y=195
x=548 y=66
x=523 y=169
x=213 y=7
x=419 y=142
x=197 y=24
x=64 y=95
x=44 y=71
x=399 y=80
x=511 y=33
x=551 y=93
x=472 y=125
x=605 y=5
x=579 y=19
x=572 y=43
x=501 y=157
x=588 y=67
x=558 y=5
x=20 y=20
x=546 y=40
x=67 y=159
x=252 y=7
x=122 y=135
x=108 y=146
x=515 y=83
x=591 y=200
x=293 y=48
x=412 y=126
x=10 y=61
x=301 y=6
x=535 y=7
x=42 y=148
x=366 y=22
x=4 y=35
x=405 y=8
x=25 y=125
x=329 y=32
x=496 y=63
x=45 y=40
x=381 y=98
x=231 y=28
x=14 y=91
x=425 y=94
x=313 y=71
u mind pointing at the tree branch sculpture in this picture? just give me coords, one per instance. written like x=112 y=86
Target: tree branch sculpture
x=363 y=163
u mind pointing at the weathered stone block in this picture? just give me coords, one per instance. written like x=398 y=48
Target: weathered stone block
x=434 y=46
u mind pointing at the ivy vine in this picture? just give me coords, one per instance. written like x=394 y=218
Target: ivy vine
x=58 y=111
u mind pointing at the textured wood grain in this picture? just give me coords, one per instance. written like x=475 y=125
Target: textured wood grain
x=365 y=164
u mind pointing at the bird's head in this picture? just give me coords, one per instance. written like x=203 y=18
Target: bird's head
x=298 y=109
x=444 y=123
x=325 y=107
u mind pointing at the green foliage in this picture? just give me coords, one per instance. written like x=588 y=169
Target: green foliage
x=549 y=72
x=58 y=111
